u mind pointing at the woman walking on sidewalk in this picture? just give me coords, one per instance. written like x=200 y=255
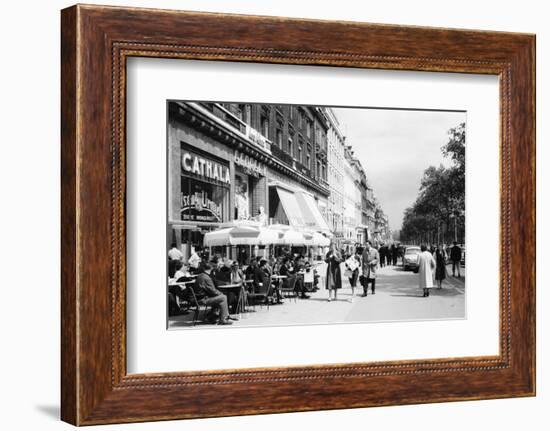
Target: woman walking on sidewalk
x=440 y=266
x=426 y=266
x=352 y=269
x=334 y=275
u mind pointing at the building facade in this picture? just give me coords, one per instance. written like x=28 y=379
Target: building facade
x=236 y=162
x=352 y=198
x=360 y=184
x=336 y=172
x=382 y=232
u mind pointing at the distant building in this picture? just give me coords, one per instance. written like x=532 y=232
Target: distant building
x=336 y=172
x=382 y=231
x=354 y=191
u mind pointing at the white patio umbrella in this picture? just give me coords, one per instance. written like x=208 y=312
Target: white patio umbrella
x=270 y=236
x=294 y=237
x=238 y=235
x=243 y=235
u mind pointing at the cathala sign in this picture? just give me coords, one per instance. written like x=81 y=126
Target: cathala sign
x=205 y=168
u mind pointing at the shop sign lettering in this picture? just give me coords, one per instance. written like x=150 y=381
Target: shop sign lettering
x=202 y=167
x=198 y=207
x=250 y=165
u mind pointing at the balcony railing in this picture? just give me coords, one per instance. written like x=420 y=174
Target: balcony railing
x=282 y=156
x=252 y=134
x=234 y=121
x=303 y=169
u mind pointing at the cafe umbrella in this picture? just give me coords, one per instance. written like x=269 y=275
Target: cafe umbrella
x=244 y=235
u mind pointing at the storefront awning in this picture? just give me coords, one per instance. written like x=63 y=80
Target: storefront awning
x=313 y=218
x=291 y=207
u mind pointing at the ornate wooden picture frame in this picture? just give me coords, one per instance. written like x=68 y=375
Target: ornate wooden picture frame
x=96 y=42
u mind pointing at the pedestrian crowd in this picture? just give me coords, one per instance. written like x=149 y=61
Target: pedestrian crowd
x=222 y=285
x=432 y=265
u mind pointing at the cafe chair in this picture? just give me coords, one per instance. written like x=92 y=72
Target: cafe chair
x=288 y=288
x=195 y=304
x=309 y=279
x=261 y=291
x=173 y=307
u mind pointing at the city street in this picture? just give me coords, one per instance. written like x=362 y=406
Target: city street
x=397 y=298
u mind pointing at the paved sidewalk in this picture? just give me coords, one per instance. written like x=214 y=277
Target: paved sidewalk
x=397 y=298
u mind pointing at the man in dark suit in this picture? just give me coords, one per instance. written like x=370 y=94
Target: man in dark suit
x=205 y=288
x=383 y=252
x=456 y=257
x=260 y=275
x=394 y=254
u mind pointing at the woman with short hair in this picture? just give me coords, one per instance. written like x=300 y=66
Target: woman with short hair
x=333 y=281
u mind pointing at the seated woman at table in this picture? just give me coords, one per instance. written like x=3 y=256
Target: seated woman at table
x=237 y=275
x=176 y=294
x=182 y=272
x=272 y=264
x=285 y=267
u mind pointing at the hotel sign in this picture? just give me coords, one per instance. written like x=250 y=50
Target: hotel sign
x=204 y=168
x=250 y=165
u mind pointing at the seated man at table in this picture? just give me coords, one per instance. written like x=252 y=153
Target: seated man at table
x=250 y=269
x=205 y=289
x=291 y=273
x=261 y=277
x=309 y=278
x=221 y=274
x=264 y=266
x=174 y=253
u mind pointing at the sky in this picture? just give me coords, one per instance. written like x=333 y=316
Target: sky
x=395 y=147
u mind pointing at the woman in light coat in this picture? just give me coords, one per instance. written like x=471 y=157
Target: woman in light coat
x=426 y=267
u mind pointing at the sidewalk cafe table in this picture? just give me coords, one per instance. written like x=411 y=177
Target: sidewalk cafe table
x=242 y=302
x=181 y=284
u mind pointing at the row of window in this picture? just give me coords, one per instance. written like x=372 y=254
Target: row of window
x=301 y=151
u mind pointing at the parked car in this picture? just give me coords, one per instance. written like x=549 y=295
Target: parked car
x=410 y=258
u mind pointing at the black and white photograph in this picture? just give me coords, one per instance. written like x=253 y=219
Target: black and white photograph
x=299 y=214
